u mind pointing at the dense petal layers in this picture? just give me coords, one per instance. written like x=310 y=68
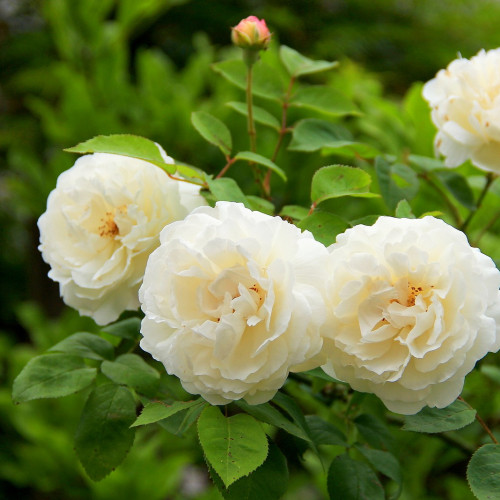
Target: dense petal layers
x=413 y=307
x=102 y=221
x=465 y=101
x=232 y=302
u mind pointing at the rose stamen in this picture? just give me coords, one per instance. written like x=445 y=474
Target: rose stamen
x=413 y=292
x=108 y=228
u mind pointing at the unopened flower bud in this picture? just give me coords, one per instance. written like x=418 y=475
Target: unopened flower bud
x=251 y=33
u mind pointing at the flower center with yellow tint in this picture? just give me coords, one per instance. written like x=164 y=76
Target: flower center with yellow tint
x=413 y=293
x=108 y=227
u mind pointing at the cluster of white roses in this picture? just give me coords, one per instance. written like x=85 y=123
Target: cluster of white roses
x=234 y=299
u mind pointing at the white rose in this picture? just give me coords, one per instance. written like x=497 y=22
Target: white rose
x=414 y=307
x=232 y=303
x=102 y=221
x=465 y=101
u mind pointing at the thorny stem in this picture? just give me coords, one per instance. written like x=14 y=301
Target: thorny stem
x=482 y=423
x=282 y=132
x=489 y=181
x=442 y=193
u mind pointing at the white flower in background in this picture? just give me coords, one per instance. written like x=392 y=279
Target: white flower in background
x=413 y=308
x=102 y=221
x=465 y=101
x=232 y=302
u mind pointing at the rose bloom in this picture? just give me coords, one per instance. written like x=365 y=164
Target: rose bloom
x=251 y=33
x=413 y=308
x=231 y=302
x=465 y=101
x=102 y=221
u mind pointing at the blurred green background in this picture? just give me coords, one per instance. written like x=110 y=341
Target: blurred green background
x=72 y=69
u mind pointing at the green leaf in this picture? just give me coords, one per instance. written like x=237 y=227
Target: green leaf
x=180 y=422
x=226 y=189
x=294 y=212
x=403 y=210
x=125 y=145
x=266 y=82
x=324 y=226
x=325 y=100
x=335 y=181
x=213 y=130
x=293 y=409
x=351 y=149
x=432 y=420
x=374 y=431
x=417 y=108
x=157 y=410
x=103 y=437
x=425 y=163
x=492 y=372
x=387 y=464
x=233 y=446
x=458 y=187
x=324 y=432
x=52 y=376
x=260 y=115
x=313 y=134
x=260 y=204
x=85 y=345
x=126 y=329
x=270 y=415
x=483 y=472
x=352 y=480
x=396 y=181
x=261 y=160
x=132 y=370
x=268 y=482
x=319 y=373
x=297 y=65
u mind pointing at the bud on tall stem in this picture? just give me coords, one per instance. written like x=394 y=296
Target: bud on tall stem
x=251 y=35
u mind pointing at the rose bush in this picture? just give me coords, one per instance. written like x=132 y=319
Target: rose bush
x=102 y=222
x=413 y=308
x=465 y=101
x=232 y=301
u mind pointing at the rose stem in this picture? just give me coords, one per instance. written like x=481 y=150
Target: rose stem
x=251 y=126
x=482 y=423
x=489 y=181
x=283 y=131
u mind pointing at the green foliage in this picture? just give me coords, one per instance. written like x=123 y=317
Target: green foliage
x=268 y=482
x=157 y=410
x=52 y=376
x=339 y=180
x=324 y=226
x=126 y=145
x=213 y=130
x=353 y=480
x=103 y=437
x=234 y=446
x=85 y=345
x=483 y=472
x=133 y=371
x=299 y=65
x=455 y=416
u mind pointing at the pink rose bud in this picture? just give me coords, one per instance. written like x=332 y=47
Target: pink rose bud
x=251 y=33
